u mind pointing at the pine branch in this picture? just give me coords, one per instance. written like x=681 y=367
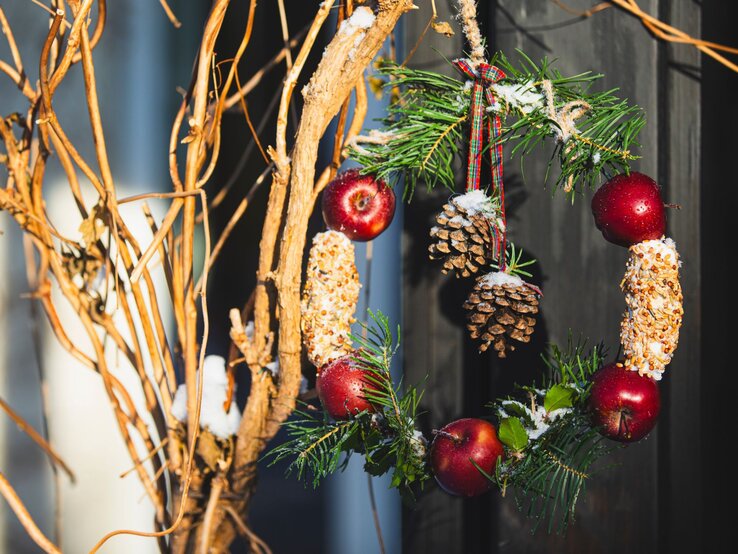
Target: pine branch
x=424 y=129
x=550 y=442
x=551 y=477
x=387 y=438
x=598 y=142
x=592 y=132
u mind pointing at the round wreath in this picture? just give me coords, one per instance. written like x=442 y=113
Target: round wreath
x=546 y=438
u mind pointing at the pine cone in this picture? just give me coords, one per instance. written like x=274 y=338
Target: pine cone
x=329 y=298
x=465 y=233
x=649 y=331
x=501 y=307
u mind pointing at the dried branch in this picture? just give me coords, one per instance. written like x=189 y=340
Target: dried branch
x=24 y=426
x=170 y=14
x=16 y=504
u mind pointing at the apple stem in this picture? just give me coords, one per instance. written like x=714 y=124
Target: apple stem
x=449 y=436
x=672 y=206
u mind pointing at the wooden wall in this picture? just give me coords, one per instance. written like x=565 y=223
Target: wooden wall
x=654 y=499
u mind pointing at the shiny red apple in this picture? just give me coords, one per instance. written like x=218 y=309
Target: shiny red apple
x=455 y=446
x=341 y=386
x=624 y=405
x=628 y=209
x=359 y=206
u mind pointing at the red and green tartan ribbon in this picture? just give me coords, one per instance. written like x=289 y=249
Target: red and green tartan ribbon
x=484 y=76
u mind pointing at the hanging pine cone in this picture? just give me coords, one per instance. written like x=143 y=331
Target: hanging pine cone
x=465 y=236
x=649 y=331
x=329 y=298
x=501 y=307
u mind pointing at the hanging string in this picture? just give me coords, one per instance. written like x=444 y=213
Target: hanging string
x=484 y=76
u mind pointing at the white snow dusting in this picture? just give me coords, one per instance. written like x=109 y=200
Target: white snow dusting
x=273 y=368
x=520 y=96
x=540 y=418
x=498 y=278
x=474 y=202
x=360 y=20
x=214 y=391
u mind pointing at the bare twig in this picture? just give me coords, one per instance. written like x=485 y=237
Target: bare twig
x=216 y=489
x=254 y=81
x=235 y=218
x=170 y=14
x=24 y=426
x=16 y=504
x=244 y=530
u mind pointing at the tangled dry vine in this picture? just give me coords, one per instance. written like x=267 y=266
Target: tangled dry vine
x=203 y=504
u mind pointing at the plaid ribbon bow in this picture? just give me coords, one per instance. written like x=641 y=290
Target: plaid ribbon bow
x=484 y=76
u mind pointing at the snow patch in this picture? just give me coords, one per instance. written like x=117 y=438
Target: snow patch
x=213 y=417
x=362 y=18
x=273 y=368
x=461 y=220
x=474 y=202
x=520 y=96
x=499 y=278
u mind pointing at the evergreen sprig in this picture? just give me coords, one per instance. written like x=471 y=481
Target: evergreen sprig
x=515 y=263
x=387 y=438
x=427 y=127
x=603 y=137
x=423 y=129
x=550 y=443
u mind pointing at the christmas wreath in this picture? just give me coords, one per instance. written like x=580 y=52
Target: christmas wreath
x=547 y=438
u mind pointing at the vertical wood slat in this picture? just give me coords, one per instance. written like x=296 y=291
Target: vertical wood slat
x=432 y=337
x=718 y=200
x=680 y=452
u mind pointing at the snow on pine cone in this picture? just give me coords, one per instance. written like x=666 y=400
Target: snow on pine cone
x=501 y=308
x=329 y=298
x=649 y=331
x=464 y=237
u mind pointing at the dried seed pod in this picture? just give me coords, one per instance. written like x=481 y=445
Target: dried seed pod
x=329 y=298
x=465 y=234
x=649 y=331
x=501 y=307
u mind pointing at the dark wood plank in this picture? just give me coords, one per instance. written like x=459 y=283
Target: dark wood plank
x=718 y=200
x=680 y=452
x=432 y=324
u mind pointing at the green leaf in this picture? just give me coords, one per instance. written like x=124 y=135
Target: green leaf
x=512 y=434
x=557 y=397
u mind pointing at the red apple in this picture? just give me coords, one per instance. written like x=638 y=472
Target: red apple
x=455 y=446
x=341 y=387
x=628 y=209
x=624 y=405
x=359 y=206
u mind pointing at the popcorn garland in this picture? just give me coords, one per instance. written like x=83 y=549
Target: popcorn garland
x=329 y=298
x=649 y=331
